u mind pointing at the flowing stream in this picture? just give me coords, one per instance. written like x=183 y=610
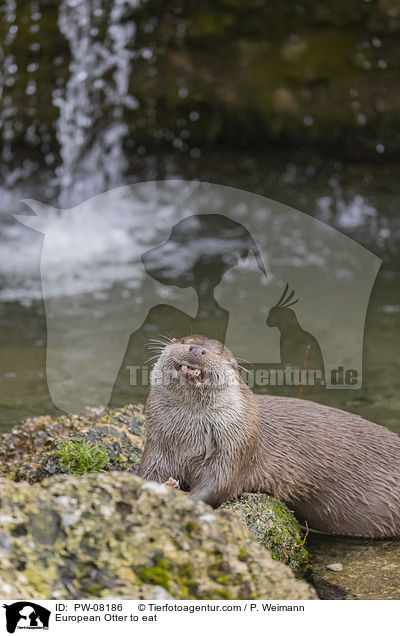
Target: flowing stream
x=97 y=87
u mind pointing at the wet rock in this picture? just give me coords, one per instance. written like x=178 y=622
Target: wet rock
x=107 y=535
x=335 y=567
x=36 y=449
x=274 y=526
x=31 y=451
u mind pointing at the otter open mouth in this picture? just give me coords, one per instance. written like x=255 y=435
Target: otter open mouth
x=192 y=373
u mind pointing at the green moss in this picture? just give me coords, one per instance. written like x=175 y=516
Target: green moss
x=171 y=578
x=224 y=593
x=86 y=548
x=134 y=463
x=40 y=581
x=285 y=538
x=275 y=527
x=161 y=575
x=222 y=579
x=41 y=447
x=157 y=575
x=82 y=457
x=192 y=526
x=95 y=589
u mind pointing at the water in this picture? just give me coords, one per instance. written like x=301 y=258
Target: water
x=8 y=68
x=100 y=68
x=91 y=258
x=370 y=568
x=91 y=255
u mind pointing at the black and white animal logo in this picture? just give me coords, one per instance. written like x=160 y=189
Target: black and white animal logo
x=26 y=615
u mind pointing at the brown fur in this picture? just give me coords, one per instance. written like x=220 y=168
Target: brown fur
x=338 y=472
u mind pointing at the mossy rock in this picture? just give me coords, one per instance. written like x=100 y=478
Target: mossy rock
x=34 y=449
x=274 y=526
x=108 y=535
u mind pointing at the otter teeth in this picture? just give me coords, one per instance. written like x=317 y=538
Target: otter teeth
x=194 y=372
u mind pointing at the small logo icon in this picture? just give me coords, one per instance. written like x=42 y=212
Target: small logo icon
x=26 y=615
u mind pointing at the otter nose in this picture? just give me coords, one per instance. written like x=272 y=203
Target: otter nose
x=197 y=352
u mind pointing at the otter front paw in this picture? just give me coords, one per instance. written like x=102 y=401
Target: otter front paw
x=172 y=483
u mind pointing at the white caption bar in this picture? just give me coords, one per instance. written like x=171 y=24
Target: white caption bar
x=195 y=617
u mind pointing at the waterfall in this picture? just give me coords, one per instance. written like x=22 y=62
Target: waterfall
x=90 y=128
x=7 y=72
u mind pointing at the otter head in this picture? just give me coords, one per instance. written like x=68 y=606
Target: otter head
x=195 y=365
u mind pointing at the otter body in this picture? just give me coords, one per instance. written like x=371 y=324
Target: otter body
x=207 y=429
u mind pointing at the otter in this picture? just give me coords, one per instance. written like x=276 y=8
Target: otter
x=207 y=431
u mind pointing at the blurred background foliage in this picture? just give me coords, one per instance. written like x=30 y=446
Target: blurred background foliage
x=292 y=73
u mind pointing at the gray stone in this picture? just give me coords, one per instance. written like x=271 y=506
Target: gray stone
x=107 y=535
